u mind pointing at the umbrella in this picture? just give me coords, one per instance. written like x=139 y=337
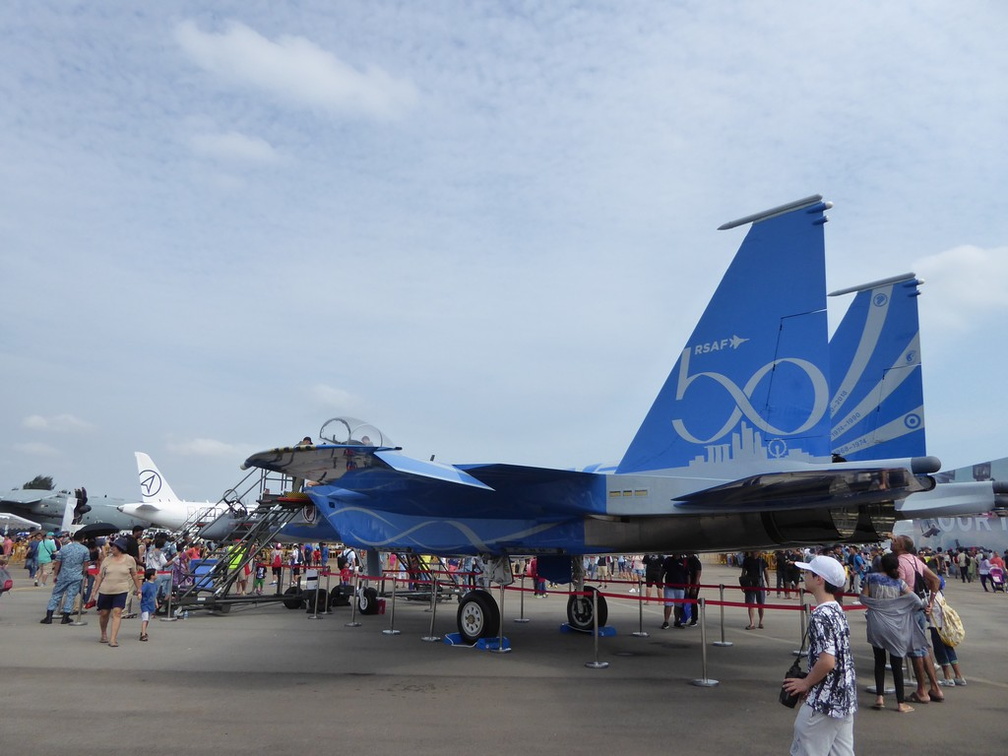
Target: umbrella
x=96 y=529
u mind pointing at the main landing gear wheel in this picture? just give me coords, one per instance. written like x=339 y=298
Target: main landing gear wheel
x=367 y=601
x=294 y=598
x=478 y=616
x=321 y=597
x=579 y=611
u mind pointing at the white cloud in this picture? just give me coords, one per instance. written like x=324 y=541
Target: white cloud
x=970 y=282
x=37 y=449
x=296 y=69
x=235 y=147
x=206 y=447
x=64 y=423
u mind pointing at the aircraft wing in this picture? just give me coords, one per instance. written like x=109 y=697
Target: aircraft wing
x=12 y=520
x=325 y=463
x=806 y=489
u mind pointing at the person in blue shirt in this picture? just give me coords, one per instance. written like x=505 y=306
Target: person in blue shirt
x=148 y=600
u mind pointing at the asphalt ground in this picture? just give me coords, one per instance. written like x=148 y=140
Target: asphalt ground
x=265 y=678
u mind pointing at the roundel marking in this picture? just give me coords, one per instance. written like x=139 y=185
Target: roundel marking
x=913 y=421
x=150 y=482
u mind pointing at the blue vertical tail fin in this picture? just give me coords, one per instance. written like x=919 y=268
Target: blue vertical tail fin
x=751 y=384
x=877 y=402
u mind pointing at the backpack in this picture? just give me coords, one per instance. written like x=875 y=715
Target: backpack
x=952 y=631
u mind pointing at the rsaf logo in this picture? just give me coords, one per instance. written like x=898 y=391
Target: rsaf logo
x=150 y=482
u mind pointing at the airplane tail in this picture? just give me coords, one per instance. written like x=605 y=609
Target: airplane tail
x=751 y=384
x=877 y=406
x=153 y=486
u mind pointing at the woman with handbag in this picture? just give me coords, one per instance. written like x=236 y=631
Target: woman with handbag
x=945 y=653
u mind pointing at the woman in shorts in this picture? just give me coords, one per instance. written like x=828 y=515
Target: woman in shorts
x=116 y=578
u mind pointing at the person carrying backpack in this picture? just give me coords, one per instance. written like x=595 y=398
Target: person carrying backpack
x=925 y=584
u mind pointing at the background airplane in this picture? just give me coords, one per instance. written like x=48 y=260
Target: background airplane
x=161 y=507
x=734 y=453
x=54 y=510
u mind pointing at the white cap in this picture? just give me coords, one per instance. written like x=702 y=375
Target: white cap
x=826 y=567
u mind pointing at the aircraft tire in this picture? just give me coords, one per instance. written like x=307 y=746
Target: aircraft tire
x=317 y=595
x=338 y=597
x=478 y=616
x=295 y=598
x=367 y=601
x=579 y=611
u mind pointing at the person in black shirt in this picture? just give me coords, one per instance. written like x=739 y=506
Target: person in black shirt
x=674 y=577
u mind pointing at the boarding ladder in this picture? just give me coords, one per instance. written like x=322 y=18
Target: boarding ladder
x=240 y=534
x=432 y=573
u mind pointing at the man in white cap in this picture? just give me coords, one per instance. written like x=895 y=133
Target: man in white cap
x=825 y=721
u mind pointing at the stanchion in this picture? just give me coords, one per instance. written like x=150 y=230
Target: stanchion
x=641 y=632
x=171 y=589
x=328 y=589
x=430 y=637
x=353 y=604
x=596 y=664
x=80 y=604
x=315 y=614
x=521 y=603
x=722 y=643
x=801 y=630
x=500 y=635
x=390 y=630
x=703 y=682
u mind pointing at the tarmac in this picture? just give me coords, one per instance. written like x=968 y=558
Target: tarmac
x=269 y=679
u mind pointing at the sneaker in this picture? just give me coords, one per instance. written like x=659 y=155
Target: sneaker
x=664 y=626
x=960 y=681
x=947 y=683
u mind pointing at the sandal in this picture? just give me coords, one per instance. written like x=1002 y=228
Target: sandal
x=917 y=699
x=103 y=640
x=878 y=706
x=113 y=644
x=143 y=636
x=904 y=708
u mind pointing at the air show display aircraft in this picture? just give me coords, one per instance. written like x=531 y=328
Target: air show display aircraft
x=161 y=507
x=735 y=452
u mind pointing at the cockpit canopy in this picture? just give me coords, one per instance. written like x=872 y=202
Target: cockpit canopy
x=350 y=430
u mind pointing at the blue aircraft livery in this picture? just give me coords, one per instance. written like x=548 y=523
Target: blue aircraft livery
x=734 y=453
x=877 y=407
x=752 y=381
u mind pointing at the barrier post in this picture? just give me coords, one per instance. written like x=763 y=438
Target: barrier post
x=390 y=630
x=596 y=664
x=430 y=637
x=353 y=604
x=328 y=589
x=521 y=603
x=703 y=682
x=722 y=643
x=500 y=635
x=80 y=604
x=171 y=589
x=315 y=615
x=801 y=628
x=641 y=632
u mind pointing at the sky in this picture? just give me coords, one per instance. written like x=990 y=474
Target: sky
x=486 y=228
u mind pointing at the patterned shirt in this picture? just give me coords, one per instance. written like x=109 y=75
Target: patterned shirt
x=72 y=558
x=828 y=632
